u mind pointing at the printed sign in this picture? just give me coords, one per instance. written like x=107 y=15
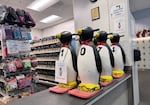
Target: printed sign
x=60 y=72
x=119 y=25
x=12 y=46
x=118 y=10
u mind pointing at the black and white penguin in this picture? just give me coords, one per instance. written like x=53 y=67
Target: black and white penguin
x=88 y=62
x=107 y=58
x=68 y=57
x=119 y=56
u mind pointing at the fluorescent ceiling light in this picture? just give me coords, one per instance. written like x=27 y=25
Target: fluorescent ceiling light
x=40 y=5
x=51 y=19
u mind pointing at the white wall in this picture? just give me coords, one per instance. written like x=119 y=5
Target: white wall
x=82 y=14
x=66 y=26
x=36 y=32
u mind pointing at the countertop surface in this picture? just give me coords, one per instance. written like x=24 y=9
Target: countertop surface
x=47 y=98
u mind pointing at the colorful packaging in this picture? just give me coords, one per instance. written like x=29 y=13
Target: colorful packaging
x=12 y=66
x=27 y=63
x=34 y=61
x=18 y=63
x=21 y=81
x=11 y=84
x=28 y=80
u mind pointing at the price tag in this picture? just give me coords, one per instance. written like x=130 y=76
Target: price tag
x=60 y=72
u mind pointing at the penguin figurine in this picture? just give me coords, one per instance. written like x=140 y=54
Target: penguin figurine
x=68 y=57
x=107 y=58
x=119 y=56
x=89 y=65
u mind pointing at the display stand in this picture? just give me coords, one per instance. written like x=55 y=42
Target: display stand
x=117 y=93
x=47 y=50
x=14 y=79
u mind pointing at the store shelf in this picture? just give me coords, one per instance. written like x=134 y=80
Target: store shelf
x=2 y=80
x=25 y=71
x=45 y=55
x=46 y=59
x=53 y=41
x=44 y=77
x=53 y=50
x=46 y=68
x=47 y=82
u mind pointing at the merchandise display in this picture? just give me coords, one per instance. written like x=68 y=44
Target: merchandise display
x=107 y=58
x=47 y=51
x=68 y=58
x=89 y=72
x=11 y=16
x=16 y=74
x=119 y=56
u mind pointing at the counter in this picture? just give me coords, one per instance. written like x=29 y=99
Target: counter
x=117 y=93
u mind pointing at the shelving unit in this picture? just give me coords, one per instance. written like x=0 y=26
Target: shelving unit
x=21 y=47
x=47 y=52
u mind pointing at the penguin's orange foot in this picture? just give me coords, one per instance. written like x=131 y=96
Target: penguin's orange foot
x=83 y=94
x=57 y=89
x=62 y=88
x=105 y=83
x=106 y=80
x=118 y=73
x=85 y=90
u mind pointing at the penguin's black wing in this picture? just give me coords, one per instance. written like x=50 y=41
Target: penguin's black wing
x=111 y=56
x=74 y=58
x=123 y=54
x=97 y=59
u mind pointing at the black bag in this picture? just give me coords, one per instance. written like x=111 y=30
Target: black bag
x=29 y=20
x=11 y=17
x=20 y=14
x=3 y=13
x=25 y=18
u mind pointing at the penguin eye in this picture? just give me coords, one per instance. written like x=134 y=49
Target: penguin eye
x=97 y=35
x=110 y=36
x=58 y=36
x=79 y=31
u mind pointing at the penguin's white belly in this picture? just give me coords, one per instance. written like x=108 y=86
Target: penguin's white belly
x=105 y=60
x=87 y=65
x=65 y=56
x=118 y=57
